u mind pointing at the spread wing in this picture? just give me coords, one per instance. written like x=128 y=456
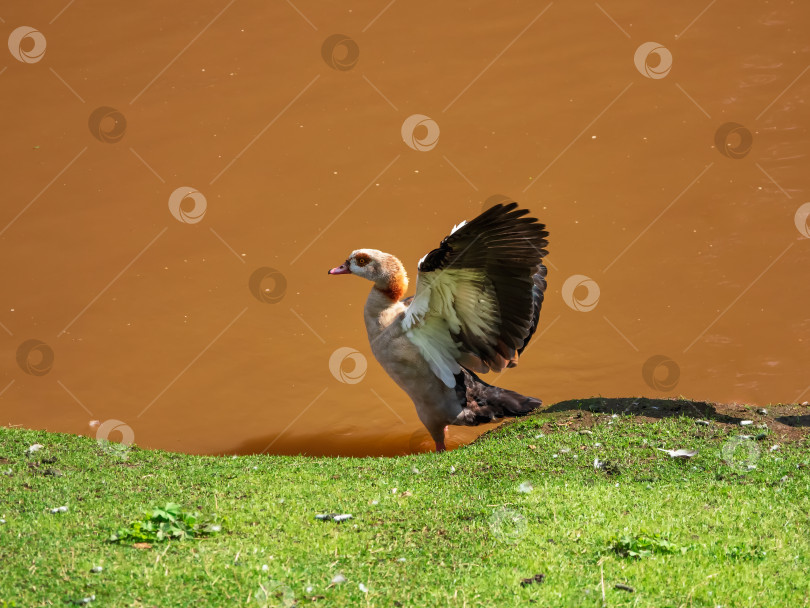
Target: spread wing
x=478 y=296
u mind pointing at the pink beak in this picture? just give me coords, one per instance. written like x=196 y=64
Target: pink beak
x=342 y=269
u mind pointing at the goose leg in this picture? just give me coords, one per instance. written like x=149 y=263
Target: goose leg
x=440 y=447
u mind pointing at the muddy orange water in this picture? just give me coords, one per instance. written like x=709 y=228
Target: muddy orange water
x=177 y=178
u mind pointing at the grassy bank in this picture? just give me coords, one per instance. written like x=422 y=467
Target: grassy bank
x=729 y=526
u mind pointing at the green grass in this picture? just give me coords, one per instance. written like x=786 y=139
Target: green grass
x=458 y=529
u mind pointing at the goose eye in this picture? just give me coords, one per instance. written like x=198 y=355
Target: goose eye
x=361 y=260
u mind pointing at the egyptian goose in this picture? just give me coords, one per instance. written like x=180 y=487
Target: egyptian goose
x=477 y=302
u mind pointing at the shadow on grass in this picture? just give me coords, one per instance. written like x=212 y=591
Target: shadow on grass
x=656 y=408
x=794 y=421
x=790 y=421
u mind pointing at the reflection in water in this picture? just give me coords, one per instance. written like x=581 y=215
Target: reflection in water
x=168 y=214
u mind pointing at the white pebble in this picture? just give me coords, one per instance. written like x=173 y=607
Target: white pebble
x=338 y=578
x=363 y=588
x=746 y=422
x=35 y=448
x=59 y=510
x=525 y=487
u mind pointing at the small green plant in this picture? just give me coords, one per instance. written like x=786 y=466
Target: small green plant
x=643 y=544
x=166 y=523
x=743 y=552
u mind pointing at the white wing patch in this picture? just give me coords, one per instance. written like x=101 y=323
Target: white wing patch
x=415 y=314
x=457 y=226
x=437 y=346
x=446 y=303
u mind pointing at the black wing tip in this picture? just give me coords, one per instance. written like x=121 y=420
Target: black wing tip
x=502 y=208
x=510 y=208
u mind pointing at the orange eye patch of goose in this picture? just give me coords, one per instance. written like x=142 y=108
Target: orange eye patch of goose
x=361 y=260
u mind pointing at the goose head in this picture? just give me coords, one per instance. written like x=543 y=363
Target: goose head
x=382 y=269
